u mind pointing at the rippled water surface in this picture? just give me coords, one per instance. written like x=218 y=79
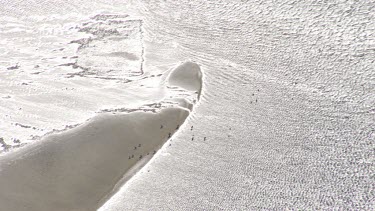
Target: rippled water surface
x=286 y=118
x=287 y=110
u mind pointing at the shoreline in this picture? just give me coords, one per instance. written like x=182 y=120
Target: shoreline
x=83 y=167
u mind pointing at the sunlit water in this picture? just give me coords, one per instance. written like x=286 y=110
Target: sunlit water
x=287 y=107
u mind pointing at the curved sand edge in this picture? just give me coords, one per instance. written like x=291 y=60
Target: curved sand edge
x=81 y=167
x=188 y=76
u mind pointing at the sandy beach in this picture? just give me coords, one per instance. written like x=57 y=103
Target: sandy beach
x=187 y=105
x=80 y=168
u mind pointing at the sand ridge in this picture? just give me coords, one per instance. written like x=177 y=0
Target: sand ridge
x=79 y=168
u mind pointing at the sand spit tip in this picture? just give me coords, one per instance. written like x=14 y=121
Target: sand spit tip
x=79 y=169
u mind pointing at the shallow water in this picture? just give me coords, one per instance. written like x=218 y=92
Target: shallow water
x=287 y=107
x=59 y=71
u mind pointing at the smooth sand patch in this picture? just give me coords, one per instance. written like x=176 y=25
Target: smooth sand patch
x=76 y=169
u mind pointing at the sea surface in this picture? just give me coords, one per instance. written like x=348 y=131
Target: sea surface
x=286 y=118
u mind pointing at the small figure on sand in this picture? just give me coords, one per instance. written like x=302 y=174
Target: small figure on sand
x=192 y=138
x=178 y=126
x=139 y=145
x=204 y=138
x=154 y=152
x=140 y=157
x=191 y=128
x=169 y=135
x=135 y=148
x=161 y=126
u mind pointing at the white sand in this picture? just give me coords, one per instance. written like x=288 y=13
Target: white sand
x=76 y=169
x=80 y=168
x=288 y=105
x=188 y=76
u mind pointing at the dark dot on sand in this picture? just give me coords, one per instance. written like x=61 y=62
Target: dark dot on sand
x=135 y=148
x=169 y=135
x=191 y=128
x=139 y=145
x=161 y=126
x=178 y=126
